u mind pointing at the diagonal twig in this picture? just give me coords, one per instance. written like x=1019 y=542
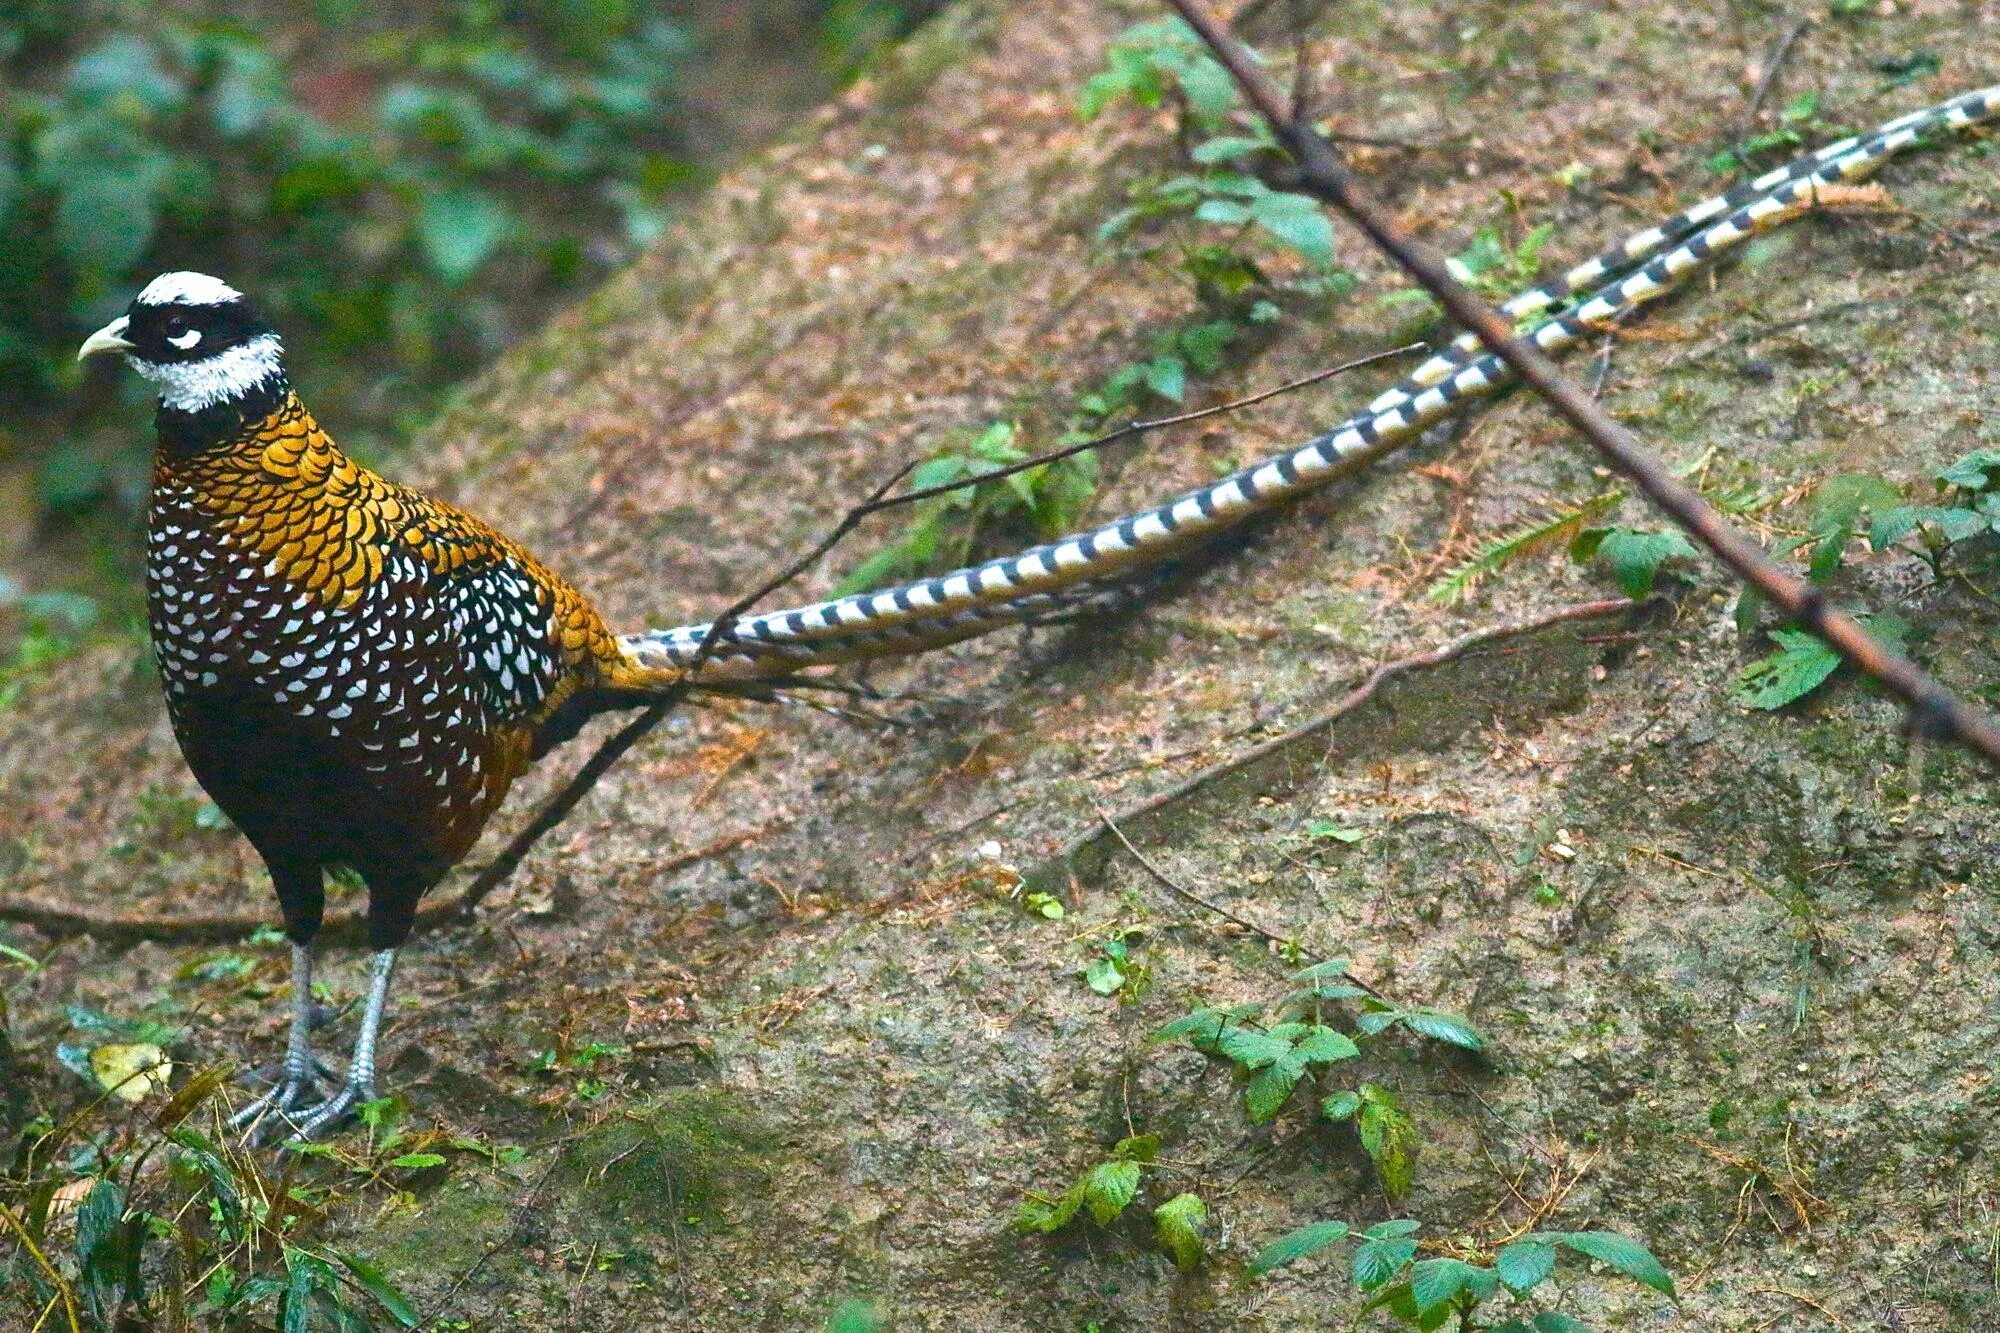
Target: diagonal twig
x=1933 y=711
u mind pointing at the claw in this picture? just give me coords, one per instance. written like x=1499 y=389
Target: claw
x=329 y=1114
x=290 y=1099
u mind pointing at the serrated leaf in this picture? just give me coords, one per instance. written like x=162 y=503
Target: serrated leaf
x=1179 y=1224
x=1109 y=1188
x=377 y=1284
x=1324 y=1046
x=1621 y=1253
x=1378 y=1020
x=1296 y=1245
x=1331 y=969
x=1390 y=1139
x=1635 y=557
x=1548 y=1321
x=1393 y=1229
x=1340 y=1106
x=1974 y=472
x=1449 y=1028
x=1892 y=525
x=1270 y=1087
x=1250 y=1048
x=1801 y=665
x=1206 y=1022
x=1433 y=1282
x=1524 y=1264
x=1376 y=1262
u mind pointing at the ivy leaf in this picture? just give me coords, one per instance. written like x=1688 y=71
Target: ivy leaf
x=1295 y=1245
x=1635 y=557
x=1524 y=1264
x=1621 y=1253
x=1179 y=1223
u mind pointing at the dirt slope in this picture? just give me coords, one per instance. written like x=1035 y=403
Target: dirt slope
x=1756 y=1010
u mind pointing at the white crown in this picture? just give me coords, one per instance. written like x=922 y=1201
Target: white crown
x=188 y=289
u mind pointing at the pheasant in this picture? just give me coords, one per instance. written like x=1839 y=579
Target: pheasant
x=357 y=672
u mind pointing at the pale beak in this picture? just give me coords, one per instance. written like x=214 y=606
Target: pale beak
x=110 y=338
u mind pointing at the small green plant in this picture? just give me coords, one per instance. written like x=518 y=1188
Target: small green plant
x=1429 y=1293
x=1113 y=970
x=1803 y=662
x=1798 y=120
x=1490 y=266
x=1039 y=502
x=1108 y=1189
x=1278 y=1048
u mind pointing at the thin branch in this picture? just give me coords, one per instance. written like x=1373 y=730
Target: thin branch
x=1769 y=79
x=63 y=1291
x=1933 y=710
x=1349 y=702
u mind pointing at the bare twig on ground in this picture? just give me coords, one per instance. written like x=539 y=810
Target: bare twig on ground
x=225 y=927
x=1769 y=78
x=1933 y=711
x=1348 y=703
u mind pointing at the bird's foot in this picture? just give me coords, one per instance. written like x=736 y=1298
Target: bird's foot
x=331 y=1113
x=296 y=1095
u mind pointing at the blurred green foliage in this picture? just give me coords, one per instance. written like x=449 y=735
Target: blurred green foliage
x=403 y=189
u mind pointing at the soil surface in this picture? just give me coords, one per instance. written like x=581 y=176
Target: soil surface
x=1737 y=969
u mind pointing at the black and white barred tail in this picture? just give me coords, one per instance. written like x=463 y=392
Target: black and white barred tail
x=914 y=616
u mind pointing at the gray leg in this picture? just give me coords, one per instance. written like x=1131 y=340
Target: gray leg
x=360 y=1084
x=298 y=1078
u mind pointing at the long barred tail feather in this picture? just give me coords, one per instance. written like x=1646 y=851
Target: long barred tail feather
x=915 y=616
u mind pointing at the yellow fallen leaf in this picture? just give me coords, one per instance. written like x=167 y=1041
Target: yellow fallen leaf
x=131 y=1071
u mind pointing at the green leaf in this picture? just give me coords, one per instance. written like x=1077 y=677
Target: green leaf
x=459 y=229
x=1205 y=1023
x=1227 y=146
x=1376 y=1262
x=1252 y=1049
x=1524 y=1264
x=1137 y=1148
x=1340 y=1106
x=1109 y=1188
x=417 y=1160
x=377 y=1284
x=1892 y=525
x=1332 y=969
x=1974 y=472
x=1837 y=507
x=1103 y=976
x=1548 y=1321
x=1635 y=557
x=1269 y=1088
x=1800 y=666
x=1295 y=1245
x=1324 y=1046
x=1390 y=1138
x=1621 y=1253
x=1394 y=1229
x=1326 y=828
x=1443 y=1027
x=1299 y=222
x=1167 y=377
x=1436 y=1281
x=1223 y=212
x=1179 y=1223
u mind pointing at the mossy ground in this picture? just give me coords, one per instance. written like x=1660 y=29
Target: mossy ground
x=1751 y=1020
